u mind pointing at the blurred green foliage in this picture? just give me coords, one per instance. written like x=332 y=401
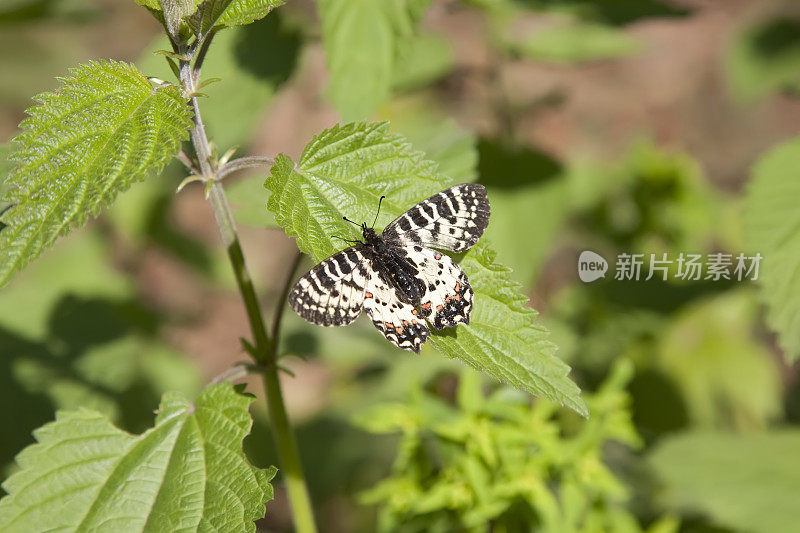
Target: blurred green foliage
x=498 y=460
x=746 y=482
x=765 y=57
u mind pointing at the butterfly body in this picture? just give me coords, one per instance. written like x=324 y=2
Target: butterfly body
x=395 y=277
x=388 y=260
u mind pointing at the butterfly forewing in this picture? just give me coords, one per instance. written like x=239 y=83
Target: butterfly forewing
x=398 y=321
x=453 y=219
x=332 y=293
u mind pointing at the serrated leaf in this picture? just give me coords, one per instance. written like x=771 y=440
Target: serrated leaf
x=106 y=128
x=772 y=228
x=228 y=13
x=188 y=473
x=746 y=482
x=174 y=11
x=344 y=171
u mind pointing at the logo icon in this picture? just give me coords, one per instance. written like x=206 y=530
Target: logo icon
x=591 y=266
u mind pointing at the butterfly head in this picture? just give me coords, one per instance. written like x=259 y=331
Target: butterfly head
x=371 y=237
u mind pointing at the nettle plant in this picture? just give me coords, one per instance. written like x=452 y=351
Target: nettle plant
x=109 y=126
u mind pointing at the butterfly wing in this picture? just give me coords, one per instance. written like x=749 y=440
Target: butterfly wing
x=453 y=219
x=332 y=293
x=447 y=298
x=398 y=321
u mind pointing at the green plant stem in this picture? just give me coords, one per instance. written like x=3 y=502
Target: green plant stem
x=265 y=351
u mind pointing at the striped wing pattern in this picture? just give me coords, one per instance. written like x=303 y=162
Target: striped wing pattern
x=452 y=220
x=332 y=293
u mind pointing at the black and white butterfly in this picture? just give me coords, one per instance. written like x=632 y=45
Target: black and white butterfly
x=396 y=277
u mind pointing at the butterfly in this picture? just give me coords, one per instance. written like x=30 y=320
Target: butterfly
x=395 y=276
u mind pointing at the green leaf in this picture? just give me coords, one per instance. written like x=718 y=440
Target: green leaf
x=106 y=128
x=344 y=171
x=216 y=13
x=174 y=13
x=772 y=228
x=188 y=473
x=362 y=39
x=746 y=482
x=577 y=41
x=228 y=13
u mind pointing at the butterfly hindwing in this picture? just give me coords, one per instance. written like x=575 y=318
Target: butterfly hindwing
x=447 y=300
x=332 y=293
x=398 y=321
x=453 y=219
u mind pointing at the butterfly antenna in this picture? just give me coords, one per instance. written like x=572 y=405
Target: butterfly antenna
x=379 y=211
x=350 y=221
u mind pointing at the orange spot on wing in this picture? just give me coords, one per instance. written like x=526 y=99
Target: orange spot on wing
x=439 y=307
x=368 y=294
x=426 y=306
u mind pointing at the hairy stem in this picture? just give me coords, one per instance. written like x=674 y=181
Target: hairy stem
x=265 y=351
x=243 y=162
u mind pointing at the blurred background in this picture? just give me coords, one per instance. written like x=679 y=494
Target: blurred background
x=619 y=126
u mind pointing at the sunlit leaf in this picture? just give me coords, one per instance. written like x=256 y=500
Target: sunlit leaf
x=204 y=15
x=344 y=171
x=187 y=473
x=227 y=13
x=106 y=128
